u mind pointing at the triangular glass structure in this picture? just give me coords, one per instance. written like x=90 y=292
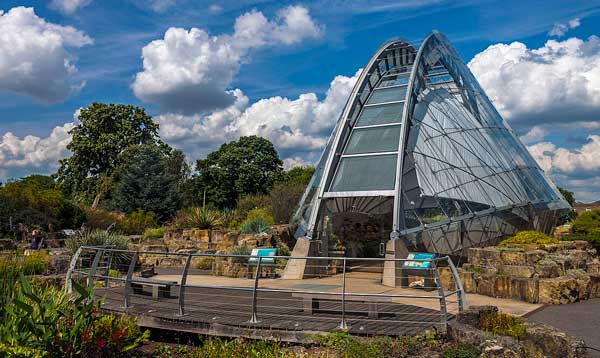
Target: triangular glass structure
x=421 y=155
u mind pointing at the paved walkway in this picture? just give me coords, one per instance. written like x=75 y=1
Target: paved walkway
x=581 y=319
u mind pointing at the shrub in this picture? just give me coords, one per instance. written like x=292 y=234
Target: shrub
x=8 y=351
x=197 y=218
x=255 y=226
x=241 y=251
x=250 y=202
x=284 y=198
x=529 y=237
x=587 y=227
x=204 y=263
x=241 y=348
x=101 y=219
x=257 y=221
x=593 y=237
x=47 y=319
x=36 y=263
x=502 y=324
x=96 y=238
x=154 y=233
x=462 y=350
x=136 y=222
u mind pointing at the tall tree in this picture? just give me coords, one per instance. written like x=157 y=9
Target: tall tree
x=104 y=132
x=145 y=183
x=568 y=195
x=250 y=165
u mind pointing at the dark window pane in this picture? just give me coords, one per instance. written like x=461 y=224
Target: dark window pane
x=387 y=113
x=366 y=173
x=372 y=140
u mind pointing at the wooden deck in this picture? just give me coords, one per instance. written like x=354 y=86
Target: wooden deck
x=226 y=312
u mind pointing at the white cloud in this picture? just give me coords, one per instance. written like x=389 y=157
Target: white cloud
x=561 y=28
x=21 y=156
x=556 y=83
x=535 y=134
x=215 y=8
x=33 y=55
x=190 y=70
x=289 y=163
x=161 y=5
x=297 y=127
x=68 y=7
x=555 y=159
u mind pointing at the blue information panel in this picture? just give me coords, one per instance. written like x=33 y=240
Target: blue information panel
x=418 y=256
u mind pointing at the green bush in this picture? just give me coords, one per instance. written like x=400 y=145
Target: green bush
x=101 y=219
x=7 y=351
x=255 y=226
x=587 y=228
x=257 y=221
x=502 y=324
x=204 y=263
x=43 y=318
x=462 y=350
x=241 y=348
x=36 y=263
x=198 y=218
x=154 y=233
x=97 y=238
x=529 y=237
x=241 y=251
x=136 y=222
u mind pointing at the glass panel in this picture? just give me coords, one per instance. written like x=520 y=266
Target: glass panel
x=396 y=79
x=372 y=140
x=366 y=173
x=387 y=95
x=387 y=113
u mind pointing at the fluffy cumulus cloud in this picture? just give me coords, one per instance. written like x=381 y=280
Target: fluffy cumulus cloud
x=69 y=6
x=560 y=28
x=32 y=154
x=577 y=169
x=556 y=83
x=298 y=127
x=190 y=70
x=34 y=56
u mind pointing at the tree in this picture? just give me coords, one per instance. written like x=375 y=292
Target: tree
x=299 y=175
x=250 y=165
x=36 y=201
x=568 y=195
x=104 y=132
x=145 y=183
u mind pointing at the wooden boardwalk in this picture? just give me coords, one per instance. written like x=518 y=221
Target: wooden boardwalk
x=226 y=312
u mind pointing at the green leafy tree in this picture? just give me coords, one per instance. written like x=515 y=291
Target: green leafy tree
x=250 y=165
x=104 y=132
x=299 y=175
x=145 y=183
x=568 y=195
x=37 y=201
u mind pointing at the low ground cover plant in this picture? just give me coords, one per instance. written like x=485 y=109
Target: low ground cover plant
x=529 y=237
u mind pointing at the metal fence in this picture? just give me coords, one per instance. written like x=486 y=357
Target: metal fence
x=256 y=292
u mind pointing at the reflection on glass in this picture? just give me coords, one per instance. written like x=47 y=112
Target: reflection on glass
x=372 y=140
x=365 y=173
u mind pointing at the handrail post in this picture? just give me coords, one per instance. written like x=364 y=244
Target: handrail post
x=127 y=289
x=92 y=272
x=343 y=325
x=442 y=297
x=69 y=278
x=182 y=284
x=107 y=279
x=462 y=301
x=254 y=318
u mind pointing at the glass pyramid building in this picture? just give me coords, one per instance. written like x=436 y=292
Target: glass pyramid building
x=421 y=157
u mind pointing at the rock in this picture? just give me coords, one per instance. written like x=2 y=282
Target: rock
x=570 y=288
x=497 y=348
x=217 y=236
x=547 y=268
x=579 y=258
x=525 y=271
x=595 y=286
x=545 y=341
x=593 y=267
x=484 y=257
x=468 y=280
x=60 y=263
x=256 y=240
x=525 y=289
x=464 y=333
x=196 y=235
x=502 y=287
x=147 y=270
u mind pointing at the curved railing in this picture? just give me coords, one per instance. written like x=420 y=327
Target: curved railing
x=247 y=290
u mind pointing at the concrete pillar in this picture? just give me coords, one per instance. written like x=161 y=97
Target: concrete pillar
x=392 y=270
x=297 y=269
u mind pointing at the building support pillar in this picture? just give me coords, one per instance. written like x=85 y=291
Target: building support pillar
x=392 y=270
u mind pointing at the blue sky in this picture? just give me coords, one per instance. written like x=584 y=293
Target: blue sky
x=295 y=58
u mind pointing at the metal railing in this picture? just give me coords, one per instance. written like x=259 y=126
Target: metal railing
x=258 y=291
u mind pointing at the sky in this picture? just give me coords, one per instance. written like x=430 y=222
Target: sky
x=212 y=71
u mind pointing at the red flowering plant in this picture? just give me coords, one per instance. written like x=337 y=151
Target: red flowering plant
x=112 y=336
